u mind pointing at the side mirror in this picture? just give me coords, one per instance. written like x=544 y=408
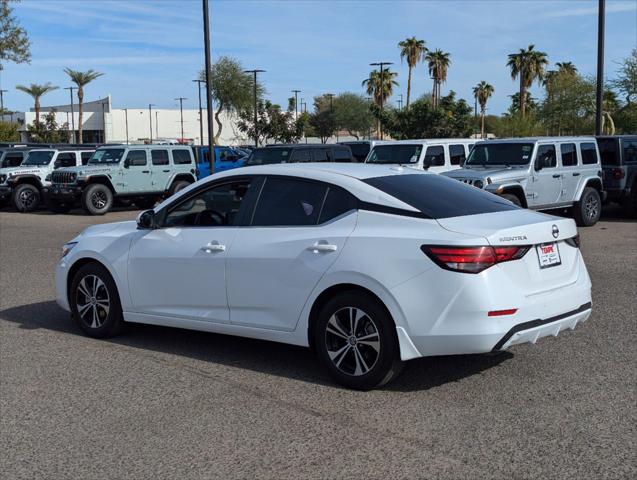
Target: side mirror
x=126 y=163
x=538 y=165
x=146 y=220
x=426 y=163
x=57 y=164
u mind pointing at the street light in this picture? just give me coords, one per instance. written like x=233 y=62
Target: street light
x=600 y=66
x=296 y=110
x=181 y=114
x=256 y=132
x=70 y=89
x=2 y=100
x=369 y=133
x=199 y=82
x=150 y=119
x=206 y=39
x=400 y=102
x=382 y=79
x=126 y=117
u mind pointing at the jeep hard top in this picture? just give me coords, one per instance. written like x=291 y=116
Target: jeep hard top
x=619 y=163
x=295 y=153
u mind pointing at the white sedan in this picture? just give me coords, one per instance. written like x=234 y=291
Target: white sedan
x=368 y=265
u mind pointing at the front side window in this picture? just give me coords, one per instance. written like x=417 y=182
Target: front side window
x=269 y=155
x=486 y=153
x=288 y=202
x=136 y=158
x=456 y=154
x=396 y=153
x=589 y=153
x=546 y=157
x=159 y=157
x=569 y=156
x=181 y=156
x=342 y=155
x=435 y=156
x=65 y=159
x=630 y=151
x=40 y=157
x=86 y=156
x=215 y=207
x=106 y=155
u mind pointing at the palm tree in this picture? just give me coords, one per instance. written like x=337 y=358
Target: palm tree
x=414 y=51
x=81 y=79
x=438 y=63
x=37 y=91
x=527 y=65
x=373 y=85
x=482 y=92
x=566 y=68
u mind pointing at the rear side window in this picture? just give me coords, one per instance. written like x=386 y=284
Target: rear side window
x=337 y=202
x=301 y=155
x=435 y=155
x=342 y=155
x=12 y=159
x=181 y=156
x=589 y=153
x=440 y=197
x=85 y=157
x=608 y=150
x=287 y=202
x=569 y=156
x=630 y=151
x=137 y=158
x=321 y=155
x=66 y=159
x=159 y=157
x=456 y=154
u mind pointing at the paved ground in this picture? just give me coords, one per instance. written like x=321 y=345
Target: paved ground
x=164 y=403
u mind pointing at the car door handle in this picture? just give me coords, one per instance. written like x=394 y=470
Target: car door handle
x=165 y=171
x=557 y=175
x=145 y=171
x=322 y=247
x=213 y=246
x=576 y=174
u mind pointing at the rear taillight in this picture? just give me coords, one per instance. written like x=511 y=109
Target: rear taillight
x=618 y=173
x=573 y=241
x=471 y=259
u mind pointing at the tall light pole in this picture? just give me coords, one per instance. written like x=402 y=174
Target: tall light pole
x=181 y=114
x=369 y=133
x=70 y=89
x=296 y=101
x=2 y=100
x=126 y=117
x=103 y=124
x=256 y=131
x=400 y=102
x=199 y=82
x=150 y=119
x=601 y=13
x=156 y=124
x=382 y=93
x=206 y=38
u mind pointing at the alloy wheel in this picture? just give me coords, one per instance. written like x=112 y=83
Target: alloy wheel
x=353 y=341
x=27 y=198
x=592 y=207
x=92 y=301
x=98 y=199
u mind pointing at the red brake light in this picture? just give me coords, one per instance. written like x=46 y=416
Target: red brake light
x=471 y=259
x=499 y=313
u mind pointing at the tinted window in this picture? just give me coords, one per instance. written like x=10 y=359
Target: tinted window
x=569 y=156
x=589 y=153
x=435 y=156
x=66 y=159
x=486 y=153
x=337 y=202
x=181 y=157
x=359 y=150
x=12 y=159
x=630 y=151
x=321 y=155
x=269 y=155
x=289 y=202
x=456 y=154
x=546 y=156
x=106 y=155
x=608 y=150
x=440 y=197
x=159 y=157
x=86 y=156
x=40 y=157
x=136 y=158
x=301 y=155
x=396 y=153
x=214 y=207
x=342 y=155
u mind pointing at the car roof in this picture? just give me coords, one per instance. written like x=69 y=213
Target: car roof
x=543 y=139
x=426 y=140
x=301 y=145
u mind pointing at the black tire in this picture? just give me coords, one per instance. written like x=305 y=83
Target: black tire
x=58 y=207
x=587 y=211
x=94 y=301
x=512 y=198
x=146 y=203
x=26 y=197
x=97 y=199
x=359 y=365
x=178 y=185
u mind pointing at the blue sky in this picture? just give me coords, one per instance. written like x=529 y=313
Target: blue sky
x=150 y=50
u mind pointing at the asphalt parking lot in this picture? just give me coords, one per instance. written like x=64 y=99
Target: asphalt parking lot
x=167 y=403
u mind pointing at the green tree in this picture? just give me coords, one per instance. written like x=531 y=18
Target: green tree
x=81 y=79
x=272 y=123
x=531 y=104
x=373 y=84
x=482 y=92
x=527 y=66
x=351 y=112
x=438 y=63
x=569 y=105
x=48 y=131
x=14 y=42
x=9 y=131
x=36 y=91
x=566 y=68
x=232 y=89
x=412 y=50
x=515 y=125
x=626 y=82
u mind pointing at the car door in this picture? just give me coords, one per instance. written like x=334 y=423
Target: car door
x=570 y=171
x=160 y=168
x=546 y=180
x=137 y=175
x=297 y=231
x=179 y=269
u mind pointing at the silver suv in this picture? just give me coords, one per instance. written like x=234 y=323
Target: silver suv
x=126 y=174
x=541 y=173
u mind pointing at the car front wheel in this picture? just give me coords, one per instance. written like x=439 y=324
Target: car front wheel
x=356 y=340
x=26 y=197
x=97 y=199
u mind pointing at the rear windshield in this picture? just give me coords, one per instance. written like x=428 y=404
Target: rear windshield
x=440 y=197
x=269 y=155
x=397 y=153
x=608 y=150
x=359 y=150
x=106 y=155
x=500 y=154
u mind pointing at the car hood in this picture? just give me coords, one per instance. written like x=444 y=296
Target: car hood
x=22 y=170
x=495 y=174
x=88 y=169
x=115 y=229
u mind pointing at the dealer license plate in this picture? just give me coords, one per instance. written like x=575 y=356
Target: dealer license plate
x=548 y=254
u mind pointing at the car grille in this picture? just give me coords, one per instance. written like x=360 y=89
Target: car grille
x=468 y=181
x=63 y=177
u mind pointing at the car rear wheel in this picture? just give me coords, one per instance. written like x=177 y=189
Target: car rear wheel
x=178 y=185
x=97 y=199
x=512 y=198
x=588 y=210
x=356 y=340
x=95 y=303
x=26 y=197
